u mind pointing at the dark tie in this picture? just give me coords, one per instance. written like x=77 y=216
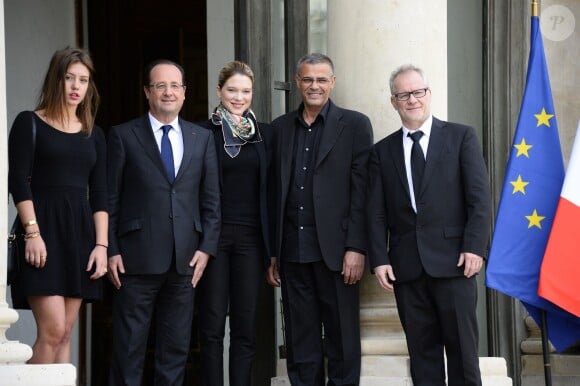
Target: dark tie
x=417 y=162
x=167 y=153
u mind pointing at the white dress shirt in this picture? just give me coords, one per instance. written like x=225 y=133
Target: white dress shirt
x=175 y=137
x=407 y=145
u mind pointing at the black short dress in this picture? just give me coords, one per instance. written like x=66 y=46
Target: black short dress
x=68 y=184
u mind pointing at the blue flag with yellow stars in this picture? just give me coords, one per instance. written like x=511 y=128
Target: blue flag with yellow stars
x=530 y=195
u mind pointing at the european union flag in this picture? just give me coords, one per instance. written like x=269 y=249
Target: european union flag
x=530 y=195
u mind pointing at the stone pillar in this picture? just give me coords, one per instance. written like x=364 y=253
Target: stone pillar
x=13 y=354
x=367 y=40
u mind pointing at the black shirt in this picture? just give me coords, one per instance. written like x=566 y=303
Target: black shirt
x=300 y=243
x=241 y=187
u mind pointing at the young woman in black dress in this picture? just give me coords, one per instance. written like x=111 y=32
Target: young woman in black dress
x=232 y=278
x=62 y=206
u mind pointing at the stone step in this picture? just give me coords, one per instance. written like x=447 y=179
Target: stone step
x=565 y=370
x=38 y=375
x=366 y=380
x=393 y=370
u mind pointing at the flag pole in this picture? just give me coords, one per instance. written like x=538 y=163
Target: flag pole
x=546 y=349
x=544 y=323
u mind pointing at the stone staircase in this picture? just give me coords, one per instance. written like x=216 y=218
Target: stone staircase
x=37 y=375
x=565 y=370
x=393 y=370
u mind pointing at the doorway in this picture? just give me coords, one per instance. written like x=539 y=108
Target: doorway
x=124 y=36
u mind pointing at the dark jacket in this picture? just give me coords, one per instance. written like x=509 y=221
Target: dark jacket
x=454 y=204
x=149 y=215
x=265 y=150
x=339 y=185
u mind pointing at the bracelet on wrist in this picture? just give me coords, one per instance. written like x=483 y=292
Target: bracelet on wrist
x=29 y=223
x=101 y=245
x=31 y=235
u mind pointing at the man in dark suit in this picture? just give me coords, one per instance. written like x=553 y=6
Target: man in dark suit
x=321 y=166
x=164 y=225
x=429 y=220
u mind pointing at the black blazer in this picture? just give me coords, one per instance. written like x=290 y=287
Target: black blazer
x=454 y=205
x=340 y=181
x=148 y=214
x=265 y=150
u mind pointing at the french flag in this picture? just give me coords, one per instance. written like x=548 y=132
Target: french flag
x=560 y=272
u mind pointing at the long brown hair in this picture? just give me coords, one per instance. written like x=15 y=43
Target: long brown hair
x=52 y=97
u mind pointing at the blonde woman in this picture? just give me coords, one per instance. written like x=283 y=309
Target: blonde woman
x=232 y=279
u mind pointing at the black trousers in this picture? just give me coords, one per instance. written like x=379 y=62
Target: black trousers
x=232 y=278
x=439 y=314
x=171 y=297
x=315 y=298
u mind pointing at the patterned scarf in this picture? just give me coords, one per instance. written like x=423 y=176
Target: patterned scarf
x=236 y=134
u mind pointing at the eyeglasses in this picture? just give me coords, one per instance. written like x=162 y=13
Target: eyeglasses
x=309 y=81
x=163 y=86
x=404 y=96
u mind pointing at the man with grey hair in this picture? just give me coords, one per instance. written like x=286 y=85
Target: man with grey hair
x=429 y=214
x=321 y=177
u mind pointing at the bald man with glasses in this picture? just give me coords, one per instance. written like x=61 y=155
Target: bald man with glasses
x=321 y=168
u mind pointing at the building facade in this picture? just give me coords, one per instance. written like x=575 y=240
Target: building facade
x=474 y=53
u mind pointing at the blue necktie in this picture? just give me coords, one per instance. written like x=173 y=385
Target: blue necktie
x=167 y=153
x=417 y=162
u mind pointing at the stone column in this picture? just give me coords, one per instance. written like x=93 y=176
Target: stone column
x=367 y=40
x=13 y=354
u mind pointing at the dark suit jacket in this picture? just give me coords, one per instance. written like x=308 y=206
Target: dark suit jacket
x=265 y=149
x=454 y=207
x=148 y=214
x=340 y=180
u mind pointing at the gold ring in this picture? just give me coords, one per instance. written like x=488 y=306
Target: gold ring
x=43 y=257
x=105 y=271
